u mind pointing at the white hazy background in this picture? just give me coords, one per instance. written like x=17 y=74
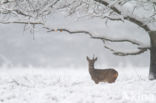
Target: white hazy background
x=55 y=49
x=53 y=67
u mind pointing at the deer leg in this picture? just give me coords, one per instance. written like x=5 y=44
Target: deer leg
x=96 y=82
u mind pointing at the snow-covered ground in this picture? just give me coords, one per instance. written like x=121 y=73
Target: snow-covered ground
x=74 y=86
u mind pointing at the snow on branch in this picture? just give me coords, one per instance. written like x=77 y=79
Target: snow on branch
x=119 y=40
x=120 y=11
x=119 y=53
x=21 y=22
x=26 y=9
x=141 y=47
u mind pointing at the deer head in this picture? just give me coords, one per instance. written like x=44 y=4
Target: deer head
x=91 y=61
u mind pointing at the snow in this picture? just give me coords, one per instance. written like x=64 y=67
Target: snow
x=74 y=86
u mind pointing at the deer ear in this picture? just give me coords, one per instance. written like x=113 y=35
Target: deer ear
x=87 y=58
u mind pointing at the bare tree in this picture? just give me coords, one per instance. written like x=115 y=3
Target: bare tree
x=34 y=12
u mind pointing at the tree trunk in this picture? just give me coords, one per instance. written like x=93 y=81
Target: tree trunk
x=152 y=72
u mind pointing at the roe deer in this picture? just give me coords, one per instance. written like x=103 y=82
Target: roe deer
x=101 y=75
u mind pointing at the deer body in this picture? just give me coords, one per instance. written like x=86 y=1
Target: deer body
x=101 y=75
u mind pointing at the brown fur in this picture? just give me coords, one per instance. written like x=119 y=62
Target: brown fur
x=101 y=75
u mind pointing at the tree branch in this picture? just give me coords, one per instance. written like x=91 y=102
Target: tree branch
x=141 y=48
x=119 y=53
x=129 y=18
x=119 y=40
x=21 y=22
x=95 y=37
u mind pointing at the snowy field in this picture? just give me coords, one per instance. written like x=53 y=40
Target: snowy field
x=74 y=86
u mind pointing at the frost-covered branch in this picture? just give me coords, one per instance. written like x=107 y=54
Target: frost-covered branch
x=141 y=48
x=113 y=10
x=119 y=53
x=118 y=9
x=26 y=10
x=95 y=37
x=118 y=40
x=34 y=12
x=21 y=22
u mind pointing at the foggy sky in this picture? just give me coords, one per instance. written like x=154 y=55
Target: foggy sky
x=17 y=47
